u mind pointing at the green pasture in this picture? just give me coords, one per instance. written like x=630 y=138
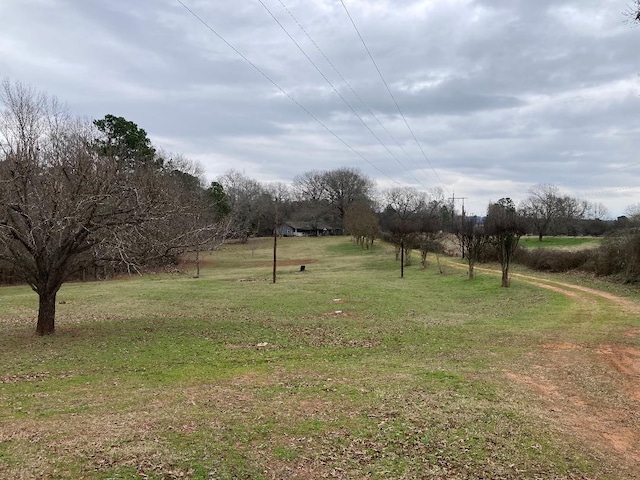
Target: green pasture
x=344 y=370
x=561 y=242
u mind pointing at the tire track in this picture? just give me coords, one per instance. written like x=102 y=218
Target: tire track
x=591 y=391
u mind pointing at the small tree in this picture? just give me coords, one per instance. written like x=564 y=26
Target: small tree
x=430 y=242
x=402 y=218
x=429 y=238
x=218 y=200
x=505 y=227
x=361 y=221
x=472 y=240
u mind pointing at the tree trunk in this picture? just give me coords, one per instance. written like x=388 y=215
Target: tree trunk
x=505 y=258
x=46 y=313
x=407 y=257
x=540 y=236
x=505 y=277
x=472 y=273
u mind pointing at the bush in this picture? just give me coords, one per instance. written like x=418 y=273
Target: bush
x=620 y=255
x=555 y=260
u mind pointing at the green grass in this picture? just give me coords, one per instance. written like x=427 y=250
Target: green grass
x=560 y=242
x=344 y=370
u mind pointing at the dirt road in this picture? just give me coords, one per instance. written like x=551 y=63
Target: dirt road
x=590 y=391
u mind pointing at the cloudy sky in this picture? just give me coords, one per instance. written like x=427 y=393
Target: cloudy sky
x=493 y=96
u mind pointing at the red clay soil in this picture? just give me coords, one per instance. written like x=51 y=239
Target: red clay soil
x=592 y=392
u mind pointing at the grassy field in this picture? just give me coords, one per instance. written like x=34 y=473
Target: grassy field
x=560 y=242
x=344 y=370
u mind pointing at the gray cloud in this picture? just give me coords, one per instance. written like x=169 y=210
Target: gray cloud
x=501 y=94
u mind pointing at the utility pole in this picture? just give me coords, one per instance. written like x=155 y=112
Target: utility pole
x=453 y=202
x=401 y=258
x=275 y=243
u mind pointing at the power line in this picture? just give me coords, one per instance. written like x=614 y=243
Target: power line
x=344 y=80
x=612 y=190
x=337 y=92
x=392 y=96
x=282 y=90
x=604 y=172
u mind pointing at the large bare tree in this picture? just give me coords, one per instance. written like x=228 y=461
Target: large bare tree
x=542 y=208
x=332 y=191
x=551 y=213
x=345 y=186
x=58 y=194
x=65 y=204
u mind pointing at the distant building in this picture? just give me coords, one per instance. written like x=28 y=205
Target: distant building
x=306 y=229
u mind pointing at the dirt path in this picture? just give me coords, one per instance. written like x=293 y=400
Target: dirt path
x=590 y=391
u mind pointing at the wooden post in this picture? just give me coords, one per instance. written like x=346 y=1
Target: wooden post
x=275 y=243
x=402 y=259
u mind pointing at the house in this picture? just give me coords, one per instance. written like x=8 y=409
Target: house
x=306 y=229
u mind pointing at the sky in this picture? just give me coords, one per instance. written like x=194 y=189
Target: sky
x=483 y=99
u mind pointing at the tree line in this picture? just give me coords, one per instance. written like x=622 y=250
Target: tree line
x=89 y=199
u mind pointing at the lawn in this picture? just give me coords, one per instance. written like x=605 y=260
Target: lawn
x=343 y=370
x=560 y=242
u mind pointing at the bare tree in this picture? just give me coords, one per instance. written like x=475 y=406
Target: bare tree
x=251 y=205
x=312 y=204
x=282 y=195
x=570 y=212
x=402 y=218
x=472 y=239
x=429 y=238
x=430 y=242
x=551 y=213
x=505 y=227
x=57 y=194
x=346 y=186
x=65 y=204
x=597 y=211
x=362 y=222
x=310 y=186
x=633 y=11
x=632 y=212
x=542 y=208
x=332 y=191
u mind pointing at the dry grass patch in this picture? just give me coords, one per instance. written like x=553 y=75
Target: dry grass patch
x=84 y=445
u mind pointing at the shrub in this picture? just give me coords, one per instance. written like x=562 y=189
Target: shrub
x=620 y=255
x=555 y=260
